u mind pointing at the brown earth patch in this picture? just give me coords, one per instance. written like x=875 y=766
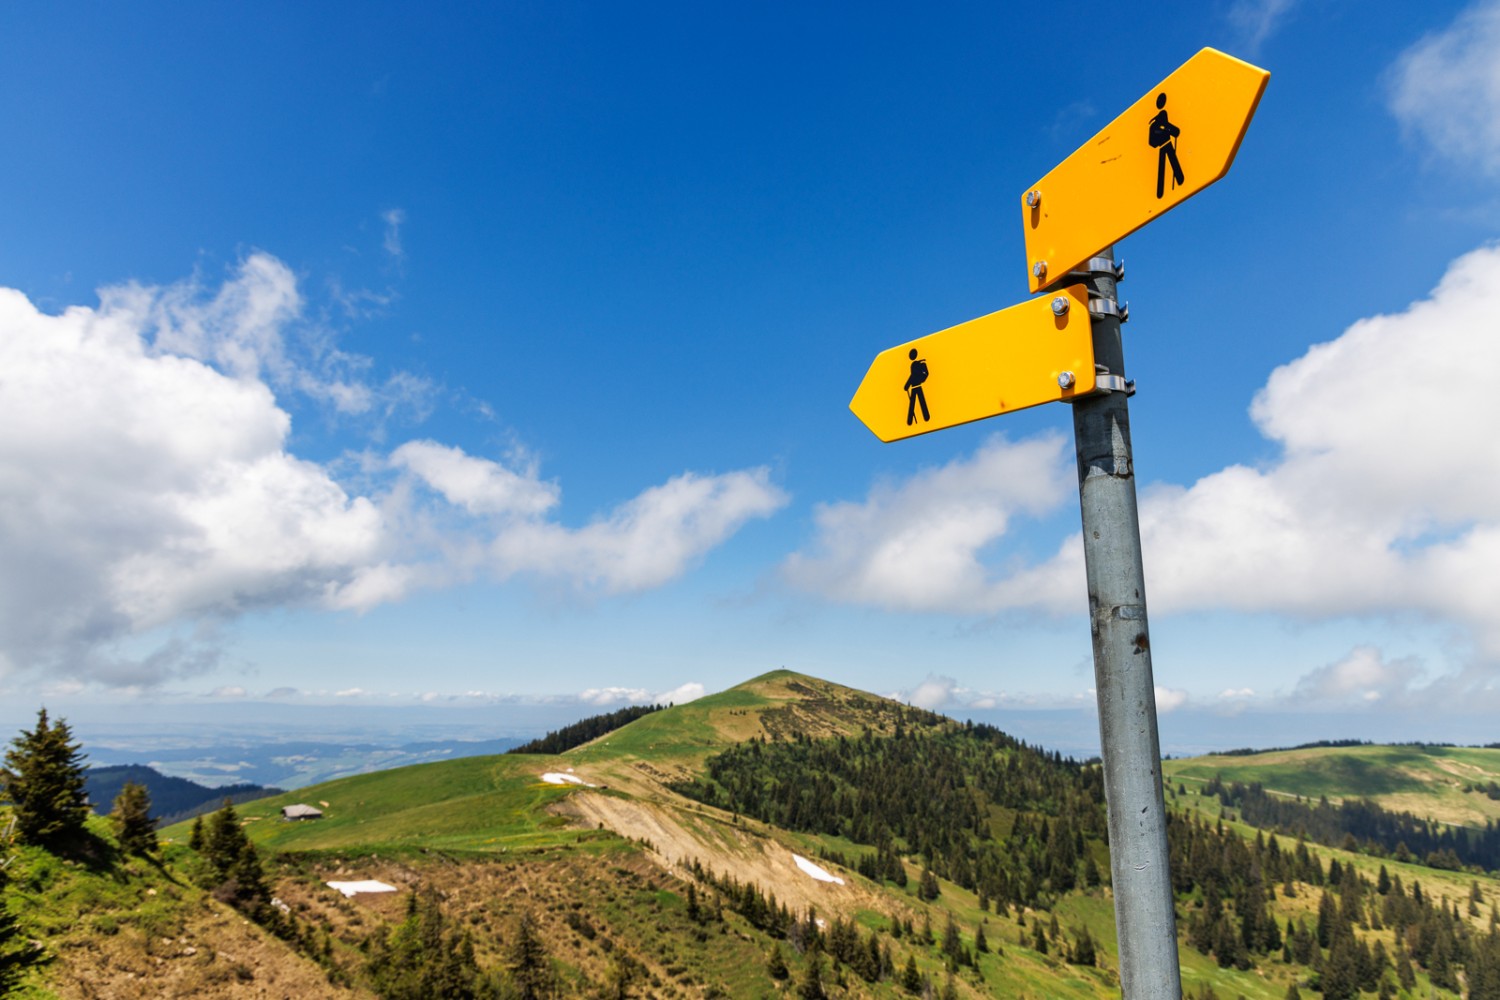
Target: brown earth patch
x=213 y=953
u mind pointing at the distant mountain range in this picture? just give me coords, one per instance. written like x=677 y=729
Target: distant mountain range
x=290 y=763
x=172 y=799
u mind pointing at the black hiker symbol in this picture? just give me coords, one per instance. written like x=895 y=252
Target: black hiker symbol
x=1163 y=139
x=913 y=387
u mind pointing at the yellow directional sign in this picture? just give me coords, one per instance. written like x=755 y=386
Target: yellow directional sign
x=1040 y=351
x=1168 y=146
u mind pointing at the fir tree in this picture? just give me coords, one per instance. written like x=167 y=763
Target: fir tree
x=911 y=979
x=234 y=871
x=811 y=987
x=44 y=782
x=927 y=888
x=14 y=950
x=953 y=944
x=423 y=957
x=1084 y=951
x=776 y=964
x=530 y=968
x=135 y=830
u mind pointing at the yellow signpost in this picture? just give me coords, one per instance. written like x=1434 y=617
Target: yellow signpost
x=1041 y=351
x=1169 y=145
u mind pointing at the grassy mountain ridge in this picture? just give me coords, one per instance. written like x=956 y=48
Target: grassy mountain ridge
x=1440 y=782
x=638 y=890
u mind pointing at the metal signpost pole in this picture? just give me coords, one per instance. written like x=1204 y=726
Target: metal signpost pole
x=1144 y=918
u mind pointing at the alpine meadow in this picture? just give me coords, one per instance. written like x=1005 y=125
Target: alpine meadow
x=581 y=501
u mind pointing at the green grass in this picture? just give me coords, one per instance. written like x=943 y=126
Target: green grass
x=1424 y=780
x=471 y=804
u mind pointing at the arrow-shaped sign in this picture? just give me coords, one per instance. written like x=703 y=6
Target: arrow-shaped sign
x=1040 y=351
x=1168 y=146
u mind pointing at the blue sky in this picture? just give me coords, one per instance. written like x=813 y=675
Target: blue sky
x=365 y=355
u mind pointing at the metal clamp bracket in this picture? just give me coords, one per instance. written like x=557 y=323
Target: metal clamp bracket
x=1101 y=307
x=1100 y=265
x=1106 y=383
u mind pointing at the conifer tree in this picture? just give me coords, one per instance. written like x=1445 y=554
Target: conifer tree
x=422 y=958
x=811 y=987
x=776 y=964
x=14 y=950
x=44 y=782
x=1084 y=951
x=953 y=945
x=135 y=830
x=911 y=979
x=530 y=968
x=234 y=871
x=928 y=888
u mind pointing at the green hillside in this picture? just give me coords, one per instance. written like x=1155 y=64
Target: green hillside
x=963 y=861
x=1442 y=783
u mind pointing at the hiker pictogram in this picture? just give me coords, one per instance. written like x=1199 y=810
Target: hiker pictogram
x=1163 y=139
x=913 y=387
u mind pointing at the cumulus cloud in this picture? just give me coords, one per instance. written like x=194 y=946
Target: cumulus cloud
x=680 y=695
x=614 y=696
x=147 y=485
x=644 y=542
x=933 y=693
x=1445 y=90
x=477 y=485
x=1382 y=500
x=916 y=545
x=1169 y=699
x=144 y=479
x=1364 y=677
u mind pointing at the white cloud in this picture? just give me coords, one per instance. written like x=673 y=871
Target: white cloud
x=1169 y=699
x=141 y=485
x=1384 y=499
x=644 y=542
x=228 y=691
x=477 y=485
x=1364 y=677
x=147 y=488
x=614 y=696
x=1258 y=20
x=682 y=694
x=1445 y=89
x=394 y=219
x=933 y=693
x=916 y=545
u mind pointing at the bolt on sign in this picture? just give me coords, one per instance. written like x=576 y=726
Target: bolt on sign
x=1041 y=351
x=1169 y=145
